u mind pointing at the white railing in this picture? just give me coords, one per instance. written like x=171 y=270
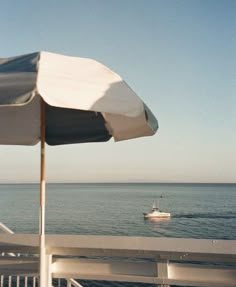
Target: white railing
x=160 y=261
x=16 y=280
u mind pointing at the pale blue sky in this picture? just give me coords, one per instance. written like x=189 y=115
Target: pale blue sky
x=178 y=56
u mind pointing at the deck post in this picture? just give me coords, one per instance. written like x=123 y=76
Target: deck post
x=162 y=271
x=49 y=270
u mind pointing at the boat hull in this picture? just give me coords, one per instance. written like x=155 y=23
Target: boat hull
x=156 y=215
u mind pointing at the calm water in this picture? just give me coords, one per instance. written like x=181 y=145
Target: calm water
x=198 y=211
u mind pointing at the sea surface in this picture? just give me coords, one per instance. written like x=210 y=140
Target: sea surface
x=198 y=210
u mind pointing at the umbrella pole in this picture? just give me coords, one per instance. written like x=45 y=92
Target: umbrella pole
x=42 y=258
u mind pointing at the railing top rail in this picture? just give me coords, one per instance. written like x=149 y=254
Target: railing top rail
x=118 y=245
x=143 y=243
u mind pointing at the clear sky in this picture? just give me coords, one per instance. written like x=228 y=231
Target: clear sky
x=178 y=56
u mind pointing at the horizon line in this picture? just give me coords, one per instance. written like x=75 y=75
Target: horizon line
x=118 y=182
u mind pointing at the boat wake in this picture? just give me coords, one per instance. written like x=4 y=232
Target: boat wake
x=205 y=215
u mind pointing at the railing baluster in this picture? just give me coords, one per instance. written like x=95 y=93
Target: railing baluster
x=34 y=281
x=2 y=280
x=17 y=281
x=26 y=281
x=9 y=281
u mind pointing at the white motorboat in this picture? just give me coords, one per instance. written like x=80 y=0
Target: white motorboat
x=155 y=213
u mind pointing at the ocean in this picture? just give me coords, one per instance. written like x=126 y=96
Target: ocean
x=198 y=210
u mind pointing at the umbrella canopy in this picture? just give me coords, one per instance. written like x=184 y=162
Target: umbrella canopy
x=58 y=99
x=85 y=102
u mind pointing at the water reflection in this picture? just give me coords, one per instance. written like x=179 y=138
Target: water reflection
x=158 y=219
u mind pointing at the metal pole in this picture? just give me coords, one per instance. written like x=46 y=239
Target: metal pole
x=42 y=259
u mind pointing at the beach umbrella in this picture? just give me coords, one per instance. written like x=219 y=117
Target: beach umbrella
x=57 y=99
